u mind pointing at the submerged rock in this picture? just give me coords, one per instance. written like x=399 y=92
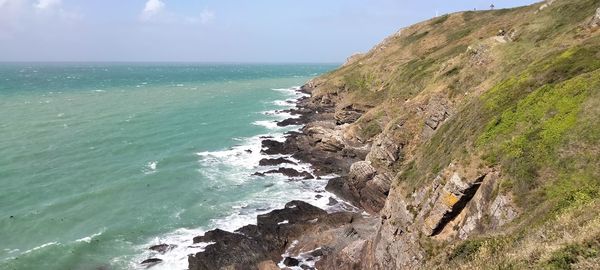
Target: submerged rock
x=162 y=248
x=289 y=261
x=151 y=262
x=275 y=161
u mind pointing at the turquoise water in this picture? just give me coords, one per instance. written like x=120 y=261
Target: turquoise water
x=99 y=161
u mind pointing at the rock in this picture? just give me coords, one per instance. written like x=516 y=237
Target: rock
x=385 y=150
x=275 y=161
x=230 y=249
x=331 y=144
x=361 y=172
x=595 y=22
x=332 y=202
x=252 y=245
x=162 y=248
x=290 y=122
x=248 y=151
x=272 y=147
x=151 y=262
x=289 y=261
x=268 y=265
x=437 y=110
x=502 y=211
x=449 y=202
x=294 y=212
x=545 y=5
x=347 y=115
x=289 y=172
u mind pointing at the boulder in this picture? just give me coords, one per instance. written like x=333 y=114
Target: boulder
x=162 y=248
x=289 y=261
x=289 y=172
x=385 y=150
x=595 y=22
x=151 y=262
x=347 y=116
x=361 y=172
x=275 y=161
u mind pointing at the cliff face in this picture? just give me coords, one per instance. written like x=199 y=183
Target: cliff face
x=483 y=137
x=471 y=139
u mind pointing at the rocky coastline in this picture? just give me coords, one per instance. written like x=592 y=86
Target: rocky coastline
x=299 y=236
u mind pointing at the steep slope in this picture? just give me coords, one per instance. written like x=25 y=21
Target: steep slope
x=471 y=139
x=487 y=125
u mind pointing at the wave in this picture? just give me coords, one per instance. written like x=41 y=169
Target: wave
x=236 y=165
x=88 y=239
x=40 y=247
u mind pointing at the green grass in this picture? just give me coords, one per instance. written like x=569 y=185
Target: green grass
x=564 y=258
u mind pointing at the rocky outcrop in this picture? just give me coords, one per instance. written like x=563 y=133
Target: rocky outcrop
x=595 y=21
x=275 y=161
x=289 y=172
x=347 y=115
x=255 y=246
x=435 y=112
x=363 y=186
x=386 y=150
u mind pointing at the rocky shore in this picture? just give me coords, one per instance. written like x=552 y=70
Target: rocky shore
x=299 y=236
x=430 y=137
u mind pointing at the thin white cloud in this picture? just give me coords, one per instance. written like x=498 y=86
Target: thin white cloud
x=207 y=16
x=47 y=4
x=152 y=8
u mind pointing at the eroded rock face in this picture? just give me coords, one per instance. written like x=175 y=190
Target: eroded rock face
x=385 y=150
x=362 y=187
x=450 y=201
x=436 y=111
x=595 y=22
x=347 y=115
x=253 y=246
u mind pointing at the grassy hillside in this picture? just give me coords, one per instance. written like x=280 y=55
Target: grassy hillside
x=523 y=86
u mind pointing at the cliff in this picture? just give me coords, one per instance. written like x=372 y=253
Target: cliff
x=471 y=140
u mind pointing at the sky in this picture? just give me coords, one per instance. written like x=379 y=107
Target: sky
x=260 y=31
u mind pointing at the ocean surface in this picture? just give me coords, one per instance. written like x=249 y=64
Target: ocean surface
x=100 y=161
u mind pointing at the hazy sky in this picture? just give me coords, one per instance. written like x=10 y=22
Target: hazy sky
x=208 y=30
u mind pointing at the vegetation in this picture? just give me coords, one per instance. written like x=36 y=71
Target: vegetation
x=527 y=105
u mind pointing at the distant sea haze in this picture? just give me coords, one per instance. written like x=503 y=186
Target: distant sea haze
x=100 y=161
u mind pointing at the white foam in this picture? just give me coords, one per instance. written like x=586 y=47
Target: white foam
x=267 y=123
x=88 y=239
x=235 y=165
x=150 y=167
x=40 y=247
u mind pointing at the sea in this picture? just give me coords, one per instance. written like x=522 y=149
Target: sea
x=100 y=161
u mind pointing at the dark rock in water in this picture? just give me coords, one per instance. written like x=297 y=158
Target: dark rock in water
x=332 y=202
x=318 y=196
x=289 y=261
x=151 y=262
x=258 y=174
x=306 y=267
x=266 y=137
x=162 y=248
x=271 y=147
x=290 y=122
x=275 y=161
x=248 y=151
x=252 y=244
x=231 y=249
x=289 y=172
